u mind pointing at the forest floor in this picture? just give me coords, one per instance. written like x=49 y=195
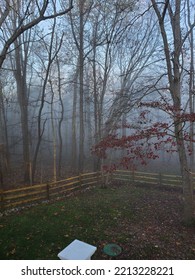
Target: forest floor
x=145 y=221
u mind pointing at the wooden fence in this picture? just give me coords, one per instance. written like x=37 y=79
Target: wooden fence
x=27 y=195
x=149 y=178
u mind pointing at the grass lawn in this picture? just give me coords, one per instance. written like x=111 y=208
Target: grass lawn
x=144 y=221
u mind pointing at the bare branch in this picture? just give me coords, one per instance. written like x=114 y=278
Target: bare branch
x=4 y=13
x=165 y=10
x=29 y=25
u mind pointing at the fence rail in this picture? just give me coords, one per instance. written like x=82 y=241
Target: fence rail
x=150 y=178
x=26 y=195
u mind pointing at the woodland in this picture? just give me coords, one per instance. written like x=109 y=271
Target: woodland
x=96 y=85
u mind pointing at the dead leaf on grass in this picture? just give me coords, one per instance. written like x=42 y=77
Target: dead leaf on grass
x=56 y=214
x=13 y=251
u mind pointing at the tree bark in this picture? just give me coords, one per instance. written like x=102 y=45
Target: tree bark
x=20 y=76
x=174 y=77
x=4 y=130
x=74 y=125
x=81 y=86
x=61 y=120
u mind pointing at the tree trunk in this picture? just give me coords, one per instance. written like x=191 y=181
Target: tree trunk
x=74 y=126
x=174 y=77
x=20 y=76
x=4 y=135
x=96 y=160
x=40 y=122
x=186 y=176
x=60 y=121
x=81 y=87
x=191 y=87
x=53 y=136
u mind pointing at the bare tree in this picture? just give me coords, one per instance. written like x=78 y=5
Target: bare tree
x=109 y=23
x=172 y=12
x=78 y=22
x=32 y=13
x=5 y=154
x=74 y=149
x=21 y=55
x=191 y=74
x=18 y=19
x=52 y=49
x=59 y=89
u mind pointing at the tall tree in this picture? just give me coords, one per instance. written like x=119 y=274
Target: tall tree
x=20 y=73
x=171 y=11
x=191 y=75
x=18 y=19
x=61 y=105
x=5 y=154
x=52 y=47
x=81 y=84
x=74 y=157
x=109 y=24
x=78 y=22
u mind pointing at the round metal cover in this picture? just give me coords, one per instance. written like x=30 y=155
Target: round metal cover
x=112 y=250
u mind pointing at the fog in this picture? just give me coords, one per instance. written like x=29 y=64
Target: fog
x=67 y=85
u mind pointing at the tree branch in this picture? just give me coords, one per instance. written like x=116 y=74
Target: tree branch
x=4 y=13
x=29 y=25
x=165 y=9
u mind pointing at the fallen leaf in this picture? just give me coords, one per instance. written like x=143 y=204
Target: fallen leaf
x=13 y=251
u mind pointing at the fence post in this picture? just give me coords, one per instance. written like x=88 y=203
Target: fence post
x=133 y=176
x=30 y=172
x=80 y=180
x=102 y=179
x=47 y=190
x=111 y=176
x=98 y=178
x=2 y=200
x=160 y=179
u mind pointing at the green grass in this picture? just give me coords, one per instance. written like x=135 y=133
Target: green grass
x=96 y=216
x=42 y=231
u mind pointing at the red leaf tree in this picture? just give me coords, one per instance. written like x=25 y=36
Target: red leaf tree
x=141 y=145
x=146 y=138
